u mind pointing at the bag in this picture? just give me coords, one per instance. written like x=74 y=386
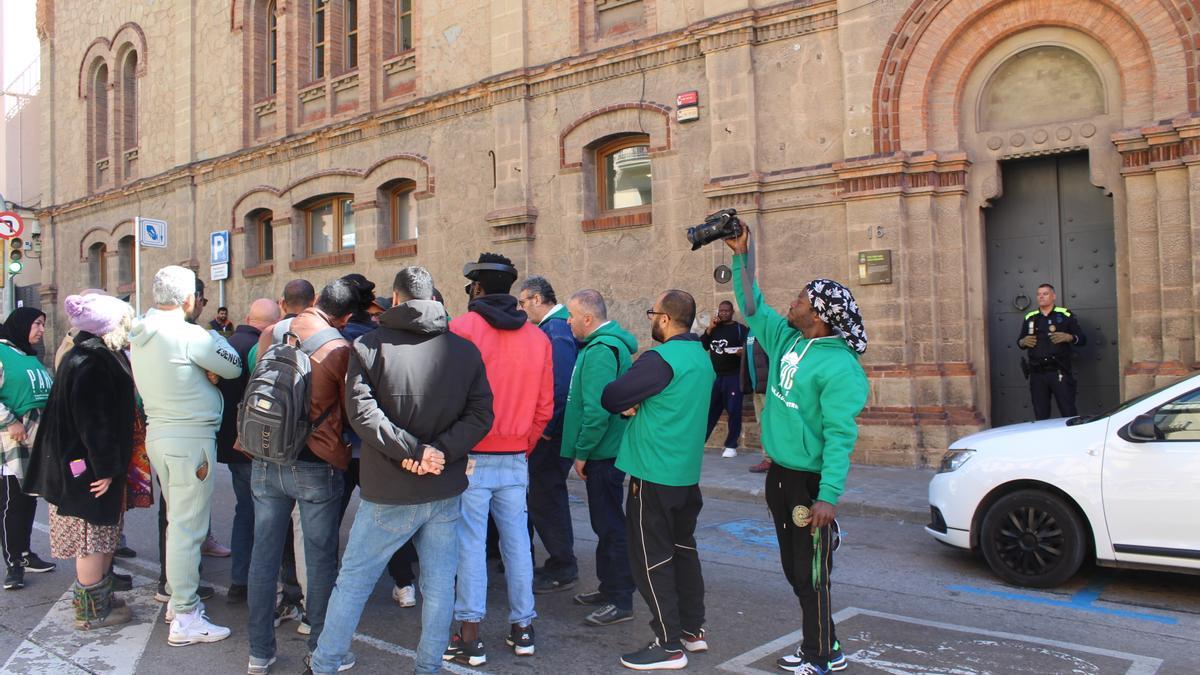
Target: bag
x=274 y=419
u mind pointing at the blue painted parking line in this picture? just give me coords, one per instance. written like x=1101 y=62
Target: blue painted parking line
x=1083 y=601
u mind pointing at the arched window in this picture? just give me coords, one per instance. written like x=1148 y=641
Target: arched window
x=403 y=213
x=97 y=266
x=125 y=260
x=351 y=44
x=320 y=35
x=129 y=101
x=623 y=174
x=329 y=225
x=272 y=56
x=100 y=113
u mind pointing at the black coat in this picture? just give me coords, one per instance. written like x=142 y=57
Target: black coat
x=233 y=391
x=89 y=416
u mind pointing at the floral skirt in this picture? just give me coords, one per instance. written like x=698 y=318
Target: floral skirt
x=72 y=537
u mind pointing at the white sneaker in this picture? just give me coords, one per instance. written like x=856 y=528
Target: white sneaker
x=169 y=614
x=405 y=596
x=260 y=666
x=729 y=452
x=194 y=627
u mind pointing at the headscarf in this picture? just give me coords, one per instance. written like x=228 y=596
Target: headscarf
x=835 y=305
x=17 y=326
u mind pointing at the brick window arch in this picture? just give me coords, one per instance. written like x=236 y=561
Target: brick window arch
x=126 y=123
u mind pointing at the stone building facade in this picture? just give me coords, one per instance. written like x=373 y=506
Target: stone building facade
x=332 y=135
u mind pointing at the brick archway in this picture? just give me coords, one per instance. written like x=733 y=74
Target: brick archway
x=1165 y=29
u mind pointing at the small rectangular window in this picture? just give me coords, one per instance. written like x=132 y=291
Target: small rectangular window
x=346 y=225
x=266 y=240
x=320 y=10
x=351 y=34
x=330 y=226
x=272 y=49
x=404 y=216
x=404 y=17
x=623 y=174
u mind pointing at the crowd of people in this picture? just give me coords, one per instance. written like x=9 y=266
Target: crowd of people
x=460 y=435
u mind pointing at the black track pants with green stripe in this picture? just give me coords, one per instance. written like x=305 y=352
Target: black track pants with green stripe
x=803 y=556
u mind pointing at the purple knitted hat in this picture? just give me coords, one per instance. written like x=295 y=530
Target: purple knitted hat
x=96 y=314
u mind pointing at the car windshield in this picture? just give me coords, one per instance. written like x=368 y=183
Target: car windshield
x=1084 y=419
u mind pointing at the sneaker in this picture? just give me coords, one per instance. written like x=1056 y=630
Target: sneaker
x=304 y=627
x=15 y=579
x=656 y=657
x=259 y=666
x=520 y=638
x=405 y=596
x=163 y=594
x=169 y=614
x=466 y=653
x=796 y=662
x=762 y=467
x=591 y=598
x=543 y=585
x=608 y=615
x=125 y=552
x=348 y=662
x=213 y=548
x=287 y=611
x=694 y=642
x=32 y=563
x=729 y=453
x=121 y=582
x=236 y=595
x=194 y=627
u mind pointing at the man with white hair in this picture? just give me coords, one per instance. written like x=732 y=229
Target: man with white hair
x=172 y=360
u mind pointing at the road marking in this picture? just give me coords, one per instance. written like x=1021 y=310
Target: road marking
x=1083 y=601
x=384 y=645
x=54 y=646
x=1139 y=665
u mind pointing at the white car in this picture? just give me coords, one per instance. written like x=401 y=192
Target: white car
x=1038 y=498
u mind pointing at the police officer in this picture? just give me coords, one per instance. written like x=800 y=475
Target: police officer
x=1049 y=332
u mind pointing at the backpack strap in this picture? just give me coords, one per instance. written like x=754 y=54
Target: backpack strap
x=319 y=339
x=280 y=330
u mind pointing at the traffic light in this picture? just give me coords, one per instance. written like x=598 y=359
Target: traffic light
x=16 y=251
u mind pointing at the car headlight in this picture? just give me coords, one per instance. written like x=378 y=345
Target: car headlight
x=954 y=459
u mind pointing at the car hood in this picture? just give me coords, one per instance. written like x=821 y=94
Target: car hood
x=1035 y=436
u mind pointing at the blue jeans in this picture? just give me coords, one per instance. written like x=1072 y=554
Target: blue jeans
x=380 y=530
x=317 y=488
x=241 y=541
x=498 y=485
x=605 y=489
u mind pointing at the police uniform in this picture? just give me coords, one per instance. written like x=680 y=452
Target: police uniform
x=1050 y=363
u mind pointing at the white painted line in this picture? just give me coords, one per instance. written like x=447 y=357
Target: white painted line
x=1139 y=665
x=384 y=645
x=54 y=646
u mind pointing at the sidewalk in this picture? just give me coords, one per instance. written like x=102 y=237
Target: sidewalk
x=872 y=491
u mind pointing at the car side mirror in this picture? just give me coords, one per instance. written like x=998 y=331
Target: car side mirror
x=1143 y=429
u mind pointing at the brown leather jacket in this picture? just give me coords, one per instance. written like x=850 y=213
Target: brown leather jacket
x=328 y=386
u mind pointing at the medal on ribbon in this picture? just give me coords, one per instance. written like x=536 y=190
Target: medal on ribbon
x=801 y=516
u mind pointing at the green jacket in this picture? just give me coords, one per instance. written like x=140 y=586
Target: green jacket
x=589 y=431
x=816 y=389
x=664 y=442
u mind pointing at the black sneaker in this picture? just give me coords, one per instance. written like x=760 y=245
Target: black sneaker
x=592 y=598
x=15 y=579
x=32 y=563
x=236 y=595
x=466 y=653
x=520 y=638
x=125 y=552
x=656 y=657
x=543 y=585
x=121 y=582
x=164 y=595
x=608 y=615
x=796 y=663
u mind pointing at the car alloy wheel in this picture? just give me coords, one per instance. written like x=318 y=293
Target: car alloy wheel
x=1032 y=538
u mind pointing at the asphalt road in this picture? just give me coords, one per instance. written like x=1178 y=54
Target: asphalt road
x=905 y=604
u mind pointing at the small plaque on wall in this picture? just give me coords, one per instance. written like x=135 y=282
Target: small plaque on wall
x=874 y=267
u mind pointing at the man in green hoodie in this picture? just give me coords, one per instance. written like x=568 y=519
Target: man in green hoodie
x=816 y=388
x=591 y=437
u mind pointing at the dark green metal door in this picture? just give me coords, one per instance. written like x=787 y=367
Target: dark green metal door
x=1051 y=226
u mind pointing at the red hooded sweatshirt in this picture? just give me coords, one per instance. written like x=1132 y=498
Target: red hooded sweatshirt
x=520 y=371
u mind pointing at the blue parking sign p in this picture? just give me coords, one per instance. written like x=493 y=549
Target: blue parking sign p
x=219 y=247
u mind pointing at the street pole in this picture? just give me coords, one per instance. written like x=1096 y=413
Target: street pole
x=137 y=265
x=221 y=295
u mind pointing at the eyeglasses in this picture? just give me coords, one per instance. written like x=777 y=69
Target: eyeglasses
x=650 y=314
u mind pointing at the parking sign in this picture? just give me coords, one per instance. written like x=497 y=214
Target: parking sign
x=152 y=233
x=219 y=248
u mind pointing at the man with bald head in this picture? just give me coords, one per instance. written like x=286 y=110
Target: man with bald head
x=263 y=313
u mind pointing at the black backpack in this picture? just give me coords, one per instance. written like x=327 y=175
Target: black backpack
x=273 y=421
